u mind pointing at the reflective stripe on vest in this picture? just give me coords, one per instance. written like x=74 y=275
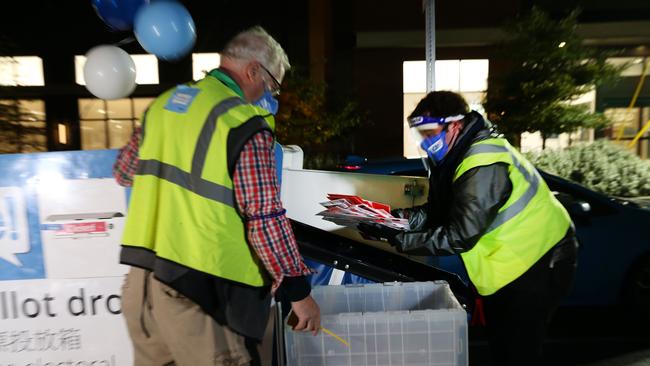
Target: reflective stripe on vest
x=192 y=181
x=521 y=203
x=182 y=212
x=525 y=227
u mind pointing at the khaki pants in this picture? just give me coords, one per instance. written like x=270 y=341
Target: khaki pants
x=167 y=328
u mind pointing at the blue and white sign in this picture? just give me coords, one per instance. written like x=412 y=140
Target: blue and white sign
x=14 y=231
x=61 y=219
x=181 y=99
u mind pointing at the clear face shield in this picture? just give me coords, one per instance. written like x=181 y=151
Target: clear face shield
x=429 y=133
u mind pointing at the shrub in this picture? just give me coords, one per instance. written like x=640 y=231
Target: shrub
x=602 y=166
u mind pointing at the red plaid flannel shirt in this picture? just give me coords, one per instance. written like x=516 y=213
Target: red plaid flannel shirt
x=258 y=197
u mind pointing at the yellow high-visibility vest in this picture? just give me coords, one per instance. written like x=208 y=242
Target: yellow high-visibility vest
x=182 y=208
x=525 y=228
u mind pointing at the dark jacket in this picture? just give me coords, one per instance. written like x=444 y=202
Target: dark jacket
x=457 y=212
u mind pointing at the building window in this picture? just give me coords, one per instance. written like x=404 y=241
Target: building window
x=21 y=71
x=634 y=65
x=202 y=63
x=455 y=75
x=467 y=77
x=22 y=126
x=625 y=121
x=626 y=124
x=146 y=69
x=107 y=124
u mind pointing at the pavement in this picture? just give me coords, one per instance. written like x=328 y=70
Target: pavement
x=585 y=336
x=640 y=358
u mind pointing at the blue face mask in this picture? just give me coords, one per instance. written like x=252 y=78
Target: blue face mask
x=268 y=102
x=435 y=146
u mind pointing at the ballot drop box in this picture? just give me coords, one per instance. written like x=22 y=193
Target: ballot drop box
x=416 y=323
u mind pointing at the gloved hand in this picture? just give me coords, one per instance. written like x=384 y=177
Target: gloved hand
x=417 y=216
x=374 y=231
x=398 y=212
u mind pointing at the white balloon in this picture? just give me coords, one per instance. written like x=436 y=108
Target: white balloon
x=109 y=72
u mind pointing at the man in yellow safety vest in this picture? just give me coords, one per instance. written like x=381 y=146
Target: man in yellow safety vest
x=206 y=234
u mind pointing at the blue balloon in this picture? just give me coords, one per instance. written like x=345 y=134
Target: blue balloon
x=166 y=29
x=118 y=14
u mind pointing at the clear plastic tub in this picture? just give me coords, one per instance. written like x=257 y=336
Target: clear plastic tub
x=417 y=323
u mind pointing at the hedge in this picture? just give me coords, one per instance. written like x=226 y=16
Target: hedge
x=602 y=166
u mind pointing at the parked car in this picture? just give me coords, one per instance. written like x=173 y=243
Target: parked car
x=614 y=256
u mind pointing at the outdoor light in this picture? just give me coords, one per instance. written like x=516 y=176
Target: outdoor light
x=62 y=130
x=562 y=44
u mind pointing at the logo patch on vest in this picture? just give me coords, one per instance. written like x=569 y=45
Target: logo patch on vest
x=182 y=98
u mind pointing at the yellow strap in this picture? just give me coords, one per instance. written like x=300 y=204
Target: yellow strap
x=635 y=96
x=325 y=330
x=638 y=135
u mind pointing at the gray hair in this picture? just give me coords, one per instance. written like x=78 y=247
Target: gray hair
x=256 y=44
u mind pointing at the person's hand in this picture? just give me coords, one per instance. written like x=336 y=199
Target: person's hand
x=378 y=232
x=308 y=315
x=398 y=212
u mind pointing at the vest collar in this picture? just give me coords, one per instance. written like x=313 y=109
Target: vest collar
x=223 y=76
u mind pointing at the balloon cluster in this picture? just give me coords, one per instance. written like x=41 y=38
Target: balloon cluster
x=164 y=28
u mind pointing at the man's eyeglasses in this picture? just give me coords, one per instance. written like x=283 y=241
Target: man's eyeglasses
x=275 y=91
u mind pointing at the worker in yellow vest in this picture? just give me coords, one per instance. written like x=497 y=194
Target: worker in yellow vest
x=206 y=234
x=488 y=203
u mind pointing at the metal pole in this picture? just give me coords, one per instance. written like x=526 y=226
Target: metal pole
x=430 y=15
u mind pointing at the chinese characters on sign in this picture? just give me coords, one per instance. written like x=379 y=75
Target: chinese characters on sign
x=64 y=339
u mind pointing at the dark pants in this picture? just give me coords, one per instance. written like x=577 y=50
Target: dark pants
x=517 y=315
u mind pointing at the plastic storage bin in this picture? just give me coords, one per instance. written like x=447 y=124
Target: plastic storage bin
x=417 y=323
